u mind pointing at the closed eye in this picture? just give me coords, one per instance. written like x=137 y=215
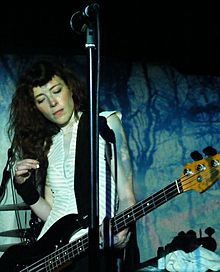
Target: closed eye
x=57 y=91
x=39 y=101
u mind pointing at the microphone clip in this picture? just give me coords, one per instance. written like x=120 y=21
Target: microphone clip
x=80 y=20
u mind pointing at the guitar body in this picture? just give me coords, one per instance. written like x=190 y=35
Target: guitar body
x=17 y=257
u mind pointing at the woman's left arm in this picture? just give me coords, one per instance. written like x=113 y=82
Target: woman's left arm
x=124 y=181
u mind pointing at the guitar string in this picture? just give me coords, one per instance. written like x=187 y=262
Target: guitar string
x=51 y=261
x=145 y=204
x=68 y=251
x=126 y=219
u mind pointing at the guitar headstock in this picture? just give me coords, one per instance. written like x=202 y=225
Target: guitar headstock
x=202 y=174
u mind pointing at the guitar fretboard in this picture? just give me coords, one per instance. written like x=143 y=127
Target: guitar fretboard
x=132 y=214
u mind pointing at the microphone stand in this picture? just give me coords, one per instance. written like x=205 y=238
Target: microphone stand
x=6 y=175
x=94 y=151
x=87 y=18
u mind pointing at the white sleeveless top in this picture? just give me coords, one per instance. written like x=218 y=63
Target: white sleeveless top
x=60 y=176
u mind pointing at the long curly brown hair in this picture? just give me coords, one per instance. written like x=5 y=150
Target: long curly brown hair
x=31 y=132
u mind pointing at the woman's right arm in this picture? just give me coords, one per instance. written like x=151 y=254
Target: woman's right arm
x=26 y=189
x=41 y=208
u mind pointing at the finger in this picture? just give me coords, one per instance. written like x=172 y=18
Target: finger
x=28 y=162
x=121 y=239
x=19 y=172
x=26 y=166
x=31 y=161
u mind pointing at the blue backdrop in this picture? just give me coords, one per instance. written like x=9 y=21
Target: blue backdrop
x=166 y=115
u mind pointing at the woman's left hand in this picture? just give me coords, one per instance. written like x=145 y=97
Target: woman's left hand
x=122 y=238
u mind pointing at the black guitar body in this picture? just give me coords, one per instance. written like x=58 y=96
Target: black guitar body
x=17 y=257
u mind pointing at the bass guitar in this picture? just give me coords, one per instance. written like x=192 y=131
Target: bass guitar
x=53 y=251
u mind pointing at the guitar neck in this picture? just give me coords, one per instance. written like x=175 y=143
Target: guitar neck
x=132 y=214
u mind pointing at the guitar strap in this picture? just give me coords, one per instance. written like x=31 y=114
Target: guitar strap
x=82 y=161
x=82 y=164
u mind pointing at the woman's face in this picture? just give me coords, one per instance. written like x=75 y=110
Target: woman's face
x=54 y=100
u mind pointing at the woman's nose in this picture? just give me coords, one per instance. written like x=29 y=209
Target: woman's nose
x=52 y=101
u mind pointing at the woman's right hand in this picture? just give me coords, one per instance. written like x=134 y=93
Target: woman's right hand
x=23 y=169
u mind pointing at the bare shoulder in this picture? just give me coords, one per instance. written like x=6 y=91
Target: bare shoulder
x=114 y=120
x=115 y=123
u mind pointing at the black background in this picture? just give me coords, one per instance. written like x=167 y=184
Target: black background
x=178 y=33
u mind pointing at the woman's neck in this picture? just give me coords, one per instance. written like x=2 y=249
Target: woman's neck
x=68 y=127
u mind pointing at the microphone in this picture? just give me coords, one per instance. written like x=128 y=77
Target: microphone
x=90 y=10
x=80 y=19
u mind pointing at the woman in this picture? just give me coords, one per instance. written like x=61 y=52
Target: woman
x=45 y=114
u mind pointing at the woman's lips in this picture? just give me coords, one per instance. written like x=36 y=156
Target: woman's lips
x=58 y=113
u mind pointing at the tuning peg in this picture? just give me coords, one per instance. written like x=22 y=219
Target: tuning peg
x=209 y=151
x=196 y=156
x=209 y=231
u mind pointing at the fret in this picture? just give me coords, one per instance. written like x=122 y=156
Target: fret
x=165 y=196
x=81 y=244
x=133 y=214
x=142 y=207
x=129 y=217
x=115 y=228
x=63 y=256
x=58 y=261
x=49 y=263
x=152 y=203
x=146 y=204
x=53 y=264
x=159 y=198
x=124 y=219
